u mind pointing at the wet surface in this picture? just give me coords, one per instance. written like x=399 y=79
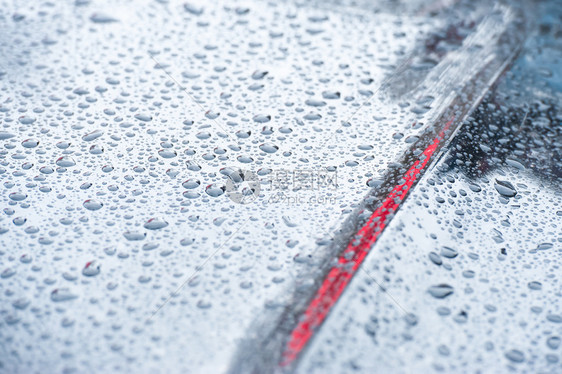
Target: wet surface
x=172 y=170
x=466 y=277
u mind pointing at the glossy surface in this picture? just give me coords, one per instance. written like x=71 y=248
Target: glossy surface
x=467 y=276
x=172 y=171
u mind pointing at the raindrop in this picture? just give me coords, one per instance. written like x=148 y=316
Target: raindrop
x=259 y=74
x=17 y=196
x=62 y=294
x=91 y=204
x=102 y=18
x=331 y=95
x=505 y=188
x=155 y=224
x=192 y=9
x=191 y=183
x=215 y=190
x=269 y=148
x=440 y=291
x=92 y=135
x=134 y=235
x=91 y=269
x=262 y=118
x=29 y=143
x=515 y=355
x=65 y=162
x=449 y=252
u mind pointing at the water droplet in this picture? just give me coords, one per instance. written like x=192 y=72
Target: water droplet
x=29 y=143
x=262 y=118
x=155 y=224
x=192 y=9
x=92 y=135
x=515 y=356
x=440 y=291
x=449 y=252
x=102 y=18
x=215 y=190
x=62 y=294
x=65 y=162
x=91 y=269
x=91 y=204
x=269 y=148
x=17 y=196
x=505 y=188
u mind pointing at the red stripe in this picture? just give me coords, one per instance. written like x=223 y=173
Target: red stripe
x=349 y=261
